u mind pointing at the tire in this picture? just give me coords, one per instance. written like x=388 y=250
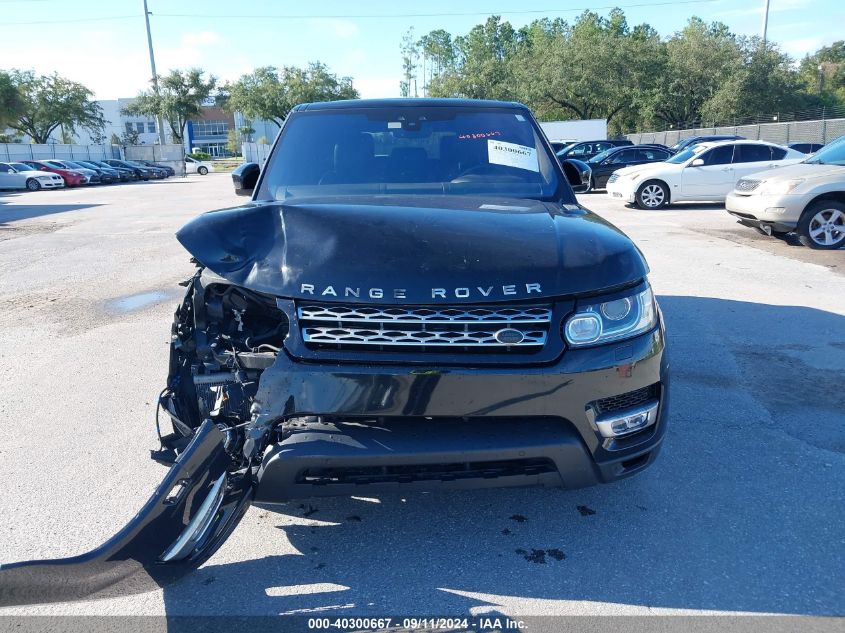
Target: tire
x=33 y=185
x=202 y=171
x=652 y=194
x=822 y=225
x=592 y=188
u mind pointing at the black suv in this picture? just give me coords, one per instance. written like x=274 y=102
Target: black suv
x=585 y=150
x=414 y=298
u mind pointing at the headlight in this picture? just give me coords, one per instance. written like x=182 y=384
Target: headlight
x=779 y=187
x=613 y=320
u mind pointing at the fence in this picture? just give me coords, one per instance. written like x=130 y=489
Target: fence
x=172 y=155
x=818 y=131
x=27 y=151
x=256 y=152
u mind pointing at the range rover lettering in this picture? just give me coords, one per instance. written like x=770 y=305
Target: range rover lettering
x=412 y=298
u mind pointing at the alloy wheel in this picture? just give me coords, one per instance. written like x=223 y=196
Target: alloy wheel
x=827 y=227
x=652 y=195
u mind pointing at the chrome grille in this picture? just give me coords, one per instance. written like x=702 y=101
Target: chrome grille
x=473 y=328
x=613 y=177
x=747 y=184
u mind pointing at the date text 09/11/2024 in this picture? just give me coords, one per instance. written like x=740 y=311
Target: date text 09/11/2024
x=417 y=623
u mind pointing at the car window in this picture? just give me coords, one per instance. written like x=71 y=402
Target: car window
x=600 y=147
x=432 y=150
x=21 y=167
x=651 y=154
x=778 y=153
x=5 y=168
x=625 y=156
x=748 y=153
x=55 y=164
x=719 y=155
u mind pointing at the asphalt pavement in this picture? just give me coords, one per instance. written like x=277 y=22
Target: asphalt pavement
x=742 y=512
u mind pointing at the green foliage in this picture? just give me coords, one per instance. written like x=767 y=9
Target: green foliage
x=601 y=67
x=234 y=141
x=262 y=140
x=44 y=103
x=200 y=155
x=179 y=98
x=115 y=139
x=130 y=136
x=269 y=93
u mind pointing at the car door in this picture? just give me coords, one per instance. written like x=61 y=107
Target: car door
x=750 y=158
x=9 y=178
x=711 y=180
x=617 y=160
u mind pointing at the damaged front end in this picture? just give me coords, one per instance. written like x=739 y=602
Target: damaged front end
x=223 y=337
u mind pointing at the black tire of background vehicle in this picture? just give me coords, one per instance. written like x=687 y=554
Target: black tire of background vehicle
x=202 y=171
x=650 y=198
x=815 y=216
x=33 y=185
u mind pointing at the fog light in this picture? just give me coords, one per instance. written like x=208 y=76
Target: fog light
x=621 y=423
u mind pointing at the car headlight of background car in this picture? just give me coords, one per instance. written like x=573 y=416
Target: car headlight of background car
x=779 y=187
x=613 y=320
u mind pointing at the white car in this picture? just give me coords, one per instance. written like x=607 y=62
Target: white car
x=705 y=172
x=194 y=166
x=22 y=176
x=808 y=198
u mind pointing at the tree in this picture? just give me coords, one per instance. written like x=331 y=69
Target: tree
x=766 y=83
x=47 y=102
x=233 y=141
x=10 y=100
x=130 y=136
x=823 y=74
x=410 y=55
x=179 y=98
x=115 y=139
x=269 y=93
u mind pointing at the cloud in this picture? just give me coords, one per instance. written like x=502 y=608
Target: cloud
x=191 y=51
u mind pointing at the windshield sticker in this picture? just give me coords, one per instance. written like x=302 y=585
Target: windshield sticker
x=519 y=117
x=512 y=155
x=471 y=135
x=392 y=125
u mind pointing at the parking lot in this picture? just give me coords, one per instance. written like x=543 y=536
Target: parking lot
x=742 y=513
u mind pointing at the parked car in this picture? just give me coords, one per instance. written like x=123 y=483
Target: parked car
x=194 y=166
x=141 y=172
x=437 y=317
x=92 y=176
x=156 y=173
x=108 y=175
x=807 y=198
x=166 y=168
x=125 y=173
x=691 y=141
x=585 y=150
x=97 y=174
x=72 y=177
x=609 y=161
x=23 y=176
x=806 y=148
x=705 y=172
x=559 y=146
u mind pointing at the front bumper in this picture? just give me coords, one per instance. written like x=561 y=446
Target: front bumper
x=781 y=212
x=622 y=190
x=381 y=427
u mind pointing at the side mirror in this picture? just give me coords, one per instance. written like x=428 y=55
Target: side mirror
x=577 y=174
x=698 y=162
x=244 y=178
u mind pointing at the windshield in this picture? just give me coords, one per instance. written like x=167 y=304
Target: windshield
x=22 y=167
x=601 y=156
x=419 y=150
x=831 y=154
x=685 y=155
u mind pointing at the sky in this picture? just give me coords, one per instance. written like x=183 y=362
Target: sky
x=103 y=45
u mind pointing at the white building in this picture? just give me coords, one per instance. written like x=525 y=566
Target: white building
x=121 y=124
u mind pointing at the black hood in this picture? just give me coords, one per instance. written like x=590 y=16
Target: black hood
x=413 y=249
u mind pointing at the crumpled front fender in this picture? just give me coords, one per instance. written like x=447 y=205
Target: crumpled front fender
x=186 y=520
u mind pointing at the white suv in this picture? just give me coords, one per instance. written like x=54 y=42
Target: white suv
x=808 y=198
x=194 y=166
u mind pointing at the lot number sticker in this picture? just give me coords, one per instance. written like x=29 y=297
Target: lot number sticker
x=512 y=155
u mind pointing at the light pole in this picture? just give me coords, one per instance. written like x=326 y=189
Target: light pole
x=153 y=69
x=765 y=20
